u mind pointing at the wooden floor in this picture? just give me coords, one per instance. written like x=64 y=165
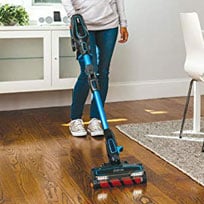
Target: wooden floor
x=41 y=163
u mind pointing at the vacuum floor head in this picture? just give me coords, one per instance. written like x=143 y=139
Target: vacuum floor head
x=123 y=174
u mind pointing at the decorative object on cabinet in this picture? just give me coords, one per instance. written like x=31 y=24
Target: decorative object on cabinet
x=13 y=15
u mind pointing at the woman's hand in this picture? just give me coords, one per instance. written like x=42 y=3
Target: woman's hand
x=123 y=35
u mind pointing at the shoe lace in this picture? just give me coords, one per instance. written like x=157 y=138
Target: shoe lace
x=95 y=124
x=78 y=124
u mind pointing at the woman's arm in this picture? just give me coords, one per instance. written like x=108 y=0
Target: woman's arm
x=123 y=21
x=121 y=13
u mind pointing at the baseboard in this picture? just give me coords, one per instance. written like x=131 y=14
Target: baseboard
x=123 y=91
x=120 y=91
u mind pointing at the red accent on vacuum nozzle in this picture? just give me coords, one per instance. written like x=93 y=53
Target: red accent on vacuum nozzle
x=104 y=184
x=116 y=182
x=138 y=180
x=127 y=181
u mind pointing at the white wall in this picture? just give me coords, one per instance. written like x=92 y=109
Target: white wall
x=150 y=65
x=155 y=50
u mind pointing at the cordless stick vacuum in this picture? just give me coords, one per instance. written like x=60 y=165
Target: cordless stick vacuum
x=114 y=173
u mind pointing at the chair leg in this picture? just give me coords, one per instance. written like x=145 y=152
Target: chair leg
x=186 y=107
x=196 y=108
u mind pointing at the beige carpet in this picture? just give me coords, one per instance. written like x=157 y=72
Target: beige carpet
x=160 y=137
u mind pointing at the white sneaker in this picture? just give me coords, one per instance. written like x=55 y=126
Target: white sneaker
x=76 y=128
x=94 y=127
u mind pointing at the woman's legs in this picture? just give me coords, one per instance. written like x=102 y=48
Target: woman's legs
x=102 y=44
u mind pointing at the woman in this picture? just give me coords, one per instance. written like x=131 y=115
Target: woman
x=102 y=17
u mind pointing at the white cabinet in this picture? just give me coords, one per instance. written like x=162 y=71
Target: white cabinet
x=64 y=65
x=36 y=59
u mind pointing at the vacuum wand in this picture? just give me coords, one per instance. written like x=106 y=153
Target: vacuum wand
x=113 y=149
x=115 y=172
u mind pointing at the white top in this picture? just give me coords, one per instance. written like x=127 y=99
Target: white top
x=98 y=14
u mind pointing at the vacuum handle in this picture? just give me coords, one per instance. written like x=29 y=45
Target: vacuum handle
x=79 y=35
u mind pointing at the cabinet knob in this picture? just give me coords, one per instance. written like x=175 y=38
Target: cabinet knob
x=55 y=58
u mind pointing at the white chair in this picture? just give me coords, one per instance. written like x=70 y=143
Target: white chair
x=194 y=66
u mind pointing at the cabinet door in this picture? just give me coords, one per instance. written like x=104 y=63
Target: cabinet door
x=65 y=67
x=25 y=61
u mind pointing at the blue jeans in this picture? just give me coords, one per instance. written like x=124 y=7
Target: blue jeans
x=102 y=44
